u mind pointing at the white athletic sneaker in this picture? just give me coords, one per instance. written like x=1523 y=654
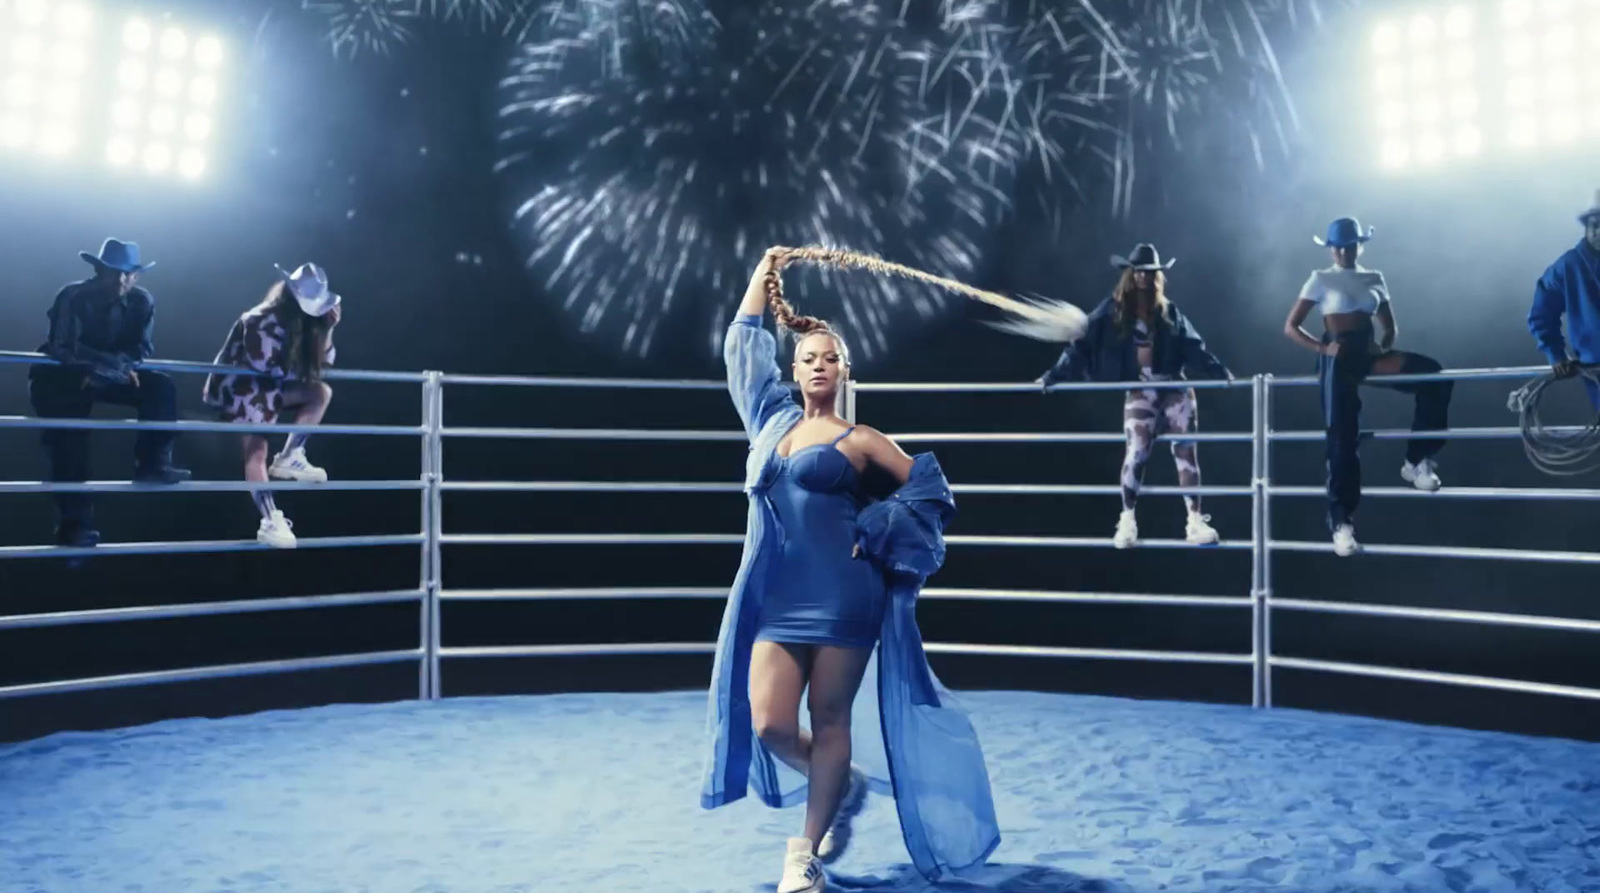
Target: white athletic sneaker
x=837 y=838
x=1199 y=530
x=293 y=466
x=1424 y=475
x=1127 y=530
x=1344 y=541
x=802 y=872
x=276 y=531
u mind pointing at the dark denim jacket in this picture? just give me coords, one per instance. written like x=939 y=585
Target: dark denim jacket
x=107 y=334
x=1105 y=354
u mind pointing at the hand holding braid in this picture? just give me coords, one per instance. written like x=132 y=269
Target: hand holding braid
x=772 y=283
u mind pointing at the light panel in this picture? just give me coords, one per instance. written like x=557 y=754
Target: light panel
x=162 y=122
x=40 y=74
x=73 y=75
x=1467 y=78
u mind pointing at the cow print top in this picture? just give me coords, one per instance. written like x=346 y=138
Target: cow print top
x=257 y=341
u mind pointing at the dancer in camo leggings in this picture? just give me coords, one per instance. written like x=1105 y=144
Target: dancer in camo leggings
x=1138 y=335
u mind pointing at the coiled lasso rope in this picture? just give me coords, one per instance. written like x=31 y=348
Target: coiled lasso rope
x=1555 y=452
x=1040 y=319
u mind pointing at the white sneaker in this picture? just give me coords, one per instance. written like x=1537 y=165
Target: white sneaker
x=1344 y=541
x=276 y=531
x=802 y=872
x=1127 y=530
x=837 y=838
x=1424 y=475
x=1199 y=530
x=293 y=466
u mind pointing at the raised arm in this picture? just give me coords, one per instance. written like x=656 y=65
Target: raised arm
x=751 y=356
x=755 y=294
x=1544 y=318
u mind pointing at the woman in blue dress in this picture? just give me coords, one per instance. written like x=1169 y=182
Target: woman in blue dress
x=828 y=576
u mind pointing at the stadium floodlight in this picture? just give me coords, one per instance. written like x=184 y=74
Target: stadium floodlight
x=1468 y=78
x=31 y=13
x=208 y=53
x=72 y=75
x=121 y=151
x=157 y=158
x=163 y=119
x=137 y=36
x=174 y=44
x=42 y=62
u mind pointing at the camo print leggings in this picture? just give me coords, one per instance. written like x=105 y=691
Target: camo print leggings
x=1148 y=414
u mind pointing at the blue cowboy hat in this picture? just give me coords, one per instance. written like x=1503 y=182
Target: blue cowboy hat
x=1343 y=233
x=1144 y=256
x=116 y=255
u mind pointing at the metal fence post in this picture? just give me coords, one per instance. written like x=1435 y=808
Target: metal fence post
x=846 y=407
x=430 y=482
x=434 y=452
x=1266 y=540
x=1258 y=496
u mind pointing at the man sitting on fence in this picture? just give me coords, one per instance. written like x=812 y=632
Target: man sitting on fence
x=1571 y=288
x=100 y=331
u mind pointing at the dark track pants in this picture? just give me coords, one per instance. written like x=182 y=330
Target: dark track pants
x=1342 y=377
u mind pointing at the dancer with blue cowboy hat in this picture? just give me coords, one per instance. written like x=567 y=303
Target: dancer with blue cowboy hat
x=101 y=330
x=1570 y=287
x=288 y=340
x=1350 y=297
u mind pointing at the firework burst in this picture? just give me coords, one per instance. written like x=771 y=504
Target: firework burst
x=1116 y=80
x=373 y=26
x=646 y=183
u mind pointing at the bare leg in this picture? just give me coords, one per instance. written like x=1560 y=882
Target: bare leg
x=255 y=469
x=835 y=676
x=777 y=680
x=310 y=402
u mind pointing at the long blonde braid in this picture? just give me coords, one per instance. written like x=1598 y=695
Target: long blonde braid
x=1055 y=321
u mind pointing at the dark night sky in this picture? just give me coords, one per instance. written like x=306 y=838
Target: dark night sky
x=380 y=169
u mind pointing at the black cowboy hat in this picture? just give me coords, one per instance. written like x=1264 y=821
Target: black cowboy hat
x=1144 y=256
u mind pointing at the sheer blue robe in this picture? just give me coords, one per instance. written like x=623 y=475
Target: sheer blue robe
x=910 y=736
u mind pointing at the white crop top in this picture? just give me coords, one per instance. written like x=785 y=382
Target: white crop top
x=1338 y=290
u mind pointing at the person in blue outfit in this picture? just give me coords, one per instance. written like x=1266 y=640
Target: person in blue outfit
x=1570 y=287
x=100 y=331
x=826 y=588
x=1350 y=297
x=1137 y=334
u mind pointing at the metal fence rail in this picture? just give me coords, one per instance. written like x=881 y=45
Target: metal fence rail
x=425 y=539
x=431 y=484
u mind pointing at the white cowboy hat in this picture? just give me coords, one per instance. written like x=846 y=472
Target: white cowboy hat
x=309 y=285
